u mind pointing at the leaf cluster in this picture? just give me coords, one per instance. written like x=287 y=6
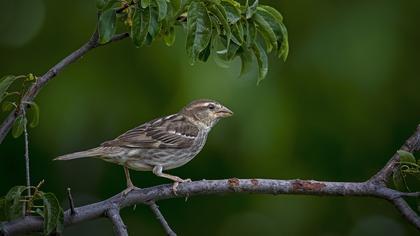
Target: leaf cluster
x=17 y=204
x=408 y=165
x=225 y=28
x=10 y=99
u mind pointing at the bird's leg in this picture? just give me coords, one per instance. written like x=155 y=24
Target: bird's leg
x=130 y=185
x=157 y=170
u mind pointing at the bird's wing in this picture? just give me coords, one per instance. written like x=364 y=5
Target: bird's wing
x=173 y=131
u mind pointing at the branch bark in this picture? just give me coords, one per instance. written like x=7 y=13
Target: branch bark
x=114 y=215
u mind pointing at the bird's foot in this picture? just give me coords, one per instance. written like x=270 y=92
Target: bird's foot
x=176 y=183
x=129 y=189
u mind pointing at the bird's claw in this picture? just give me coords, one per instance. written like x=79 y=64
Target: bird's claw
x=129 y=189
x=176 y=183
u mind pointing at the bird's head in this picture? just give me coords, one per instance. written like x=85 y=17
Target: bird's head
x=206 y=112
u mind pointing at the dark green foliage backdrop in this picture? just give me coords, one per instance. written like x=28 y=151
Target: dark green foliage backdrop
x=344 y=101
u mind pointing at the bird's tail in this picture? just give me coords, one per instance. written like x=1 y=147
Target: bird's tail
x=76 y=155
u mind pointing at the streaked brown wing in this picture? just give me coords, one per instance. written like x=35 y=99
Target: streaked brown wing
x=173 y=131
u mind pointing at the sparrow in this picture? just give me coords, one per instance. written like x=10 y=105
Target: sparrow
x=161 y=144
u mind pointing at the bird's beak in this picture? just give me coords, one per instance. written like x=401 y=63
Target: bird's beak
x=224 y=112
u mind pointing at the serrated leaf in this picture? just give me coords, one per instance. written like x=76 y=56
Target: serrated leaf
x=267 y=32
x=398 y=180
x=19 y=126
x=261 y=60
x=33 y=114
x=14 y=204
x=140 y=26
x=5 y=83
x=220 y=13
x=233 y=12
x=145 y=3
x=162 y=9
x=246 y=62
x=53 y=214
x=107 y=25
x=250 y=10
x=279 y=30
x=406 y=156
x=169 y=36
x=198 y=30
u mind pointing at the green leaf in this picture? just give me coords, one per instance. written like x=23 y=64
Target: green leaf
x=140 y=26
x=261 y=60
x=284 y=47
x=272 y=11
x=279 y=30
x=267 y=32
x=233 y=12
x=107 y=25
x=13 y=202
x=33 y=114
x=250 y=10
x=53 y=214
x=406 y=156
x=398 y=180
x=154 y=26
x=199 y=30
x=5 y=83
x=162 y=9
x=169 y=36
x=8 y=106
x=250 y=33
x=246 y=62
x=220 y=13
x=19 y=126
x=145 y=3
x=238 y=33
x=105 y=4
x=205 y=54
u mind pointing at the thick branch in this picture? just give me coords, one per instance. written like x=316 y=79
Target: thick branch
x=114 y=215
x=34 y=89
x=212 y=187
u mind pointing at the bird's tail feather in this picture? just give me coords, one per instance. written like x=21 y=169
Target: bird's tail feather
x=76 y=155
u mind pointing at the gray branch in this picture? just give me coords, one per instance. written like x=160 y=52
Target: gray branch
x=113 y=214
x=34 y=89
x=161 y=218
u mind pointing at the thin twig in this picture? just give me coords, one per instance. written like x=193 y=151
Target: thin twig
x=161 y=218
x=27 y=171
x=113 y=214
x=71 y=203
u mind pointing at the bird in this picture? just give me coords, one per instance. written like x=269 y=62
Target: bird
x=161 y=144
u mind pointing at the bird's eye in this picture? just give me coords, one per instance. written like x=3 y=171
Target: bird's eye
x=211 y=106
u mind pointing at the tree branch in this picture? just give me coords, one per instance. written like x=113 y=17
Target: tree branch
x=159 y=216
x=34 y=89
x=213 y=187
x=113 y=214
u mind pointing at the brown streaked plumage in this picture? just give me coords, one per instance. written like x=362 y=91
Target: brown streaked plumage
x=161 y=144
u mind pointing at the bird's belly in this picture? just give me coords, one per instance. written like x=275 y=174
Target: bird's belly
x=146 y=159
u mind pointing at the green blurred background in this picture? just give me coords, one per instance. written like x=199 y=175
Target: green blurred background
x=345 y=100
